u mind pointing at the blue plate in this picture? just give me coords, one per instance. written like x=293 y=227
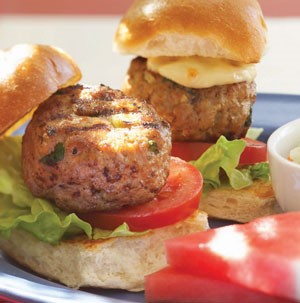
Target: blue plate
x=270 y=112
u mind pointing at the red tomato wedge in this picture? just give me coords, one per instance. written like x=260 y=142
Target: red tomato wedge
x=262 y=255
x=177 y=200
x=255 y=151
x=189 y=151
x=174 y=286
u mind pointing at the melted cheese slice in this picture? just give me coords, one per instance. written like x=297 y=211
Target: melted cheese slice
x=200 y=72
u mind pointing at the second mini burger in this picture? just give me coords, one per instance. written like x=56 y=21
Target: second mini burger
x=196 y=65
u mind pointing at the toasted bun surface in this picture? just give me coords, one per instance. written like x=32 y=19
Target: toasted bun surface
x=120 y=262
x=29 y=74
x=225 y=29
x=243 y=205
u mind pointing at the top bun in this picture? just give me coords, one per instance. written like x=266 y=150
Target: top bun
x=29 y=74
x=228 y=29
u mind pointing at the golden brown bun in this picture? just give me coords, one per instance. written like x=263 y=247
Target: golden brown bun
x=243 y=205
x=228 y=29
x=115 y=263
x=30 y=74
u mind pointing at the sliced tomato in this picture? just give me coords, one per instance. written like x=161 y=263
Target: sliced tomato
x=177 y=200
x=255 y=151
x=171 y=285
x=189 y=151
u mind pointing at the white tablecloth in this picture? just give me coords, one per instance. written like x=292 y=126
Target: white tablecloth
x=88 y=39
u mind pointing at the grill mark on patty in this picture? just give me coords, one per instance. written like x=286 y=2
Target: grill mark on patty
x=95 y=110
x=151 y=125
x=98 y=126
x=92 y=111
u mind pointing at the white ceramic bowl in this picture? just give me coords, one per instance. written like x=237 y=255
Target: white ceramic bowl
x=284 y=173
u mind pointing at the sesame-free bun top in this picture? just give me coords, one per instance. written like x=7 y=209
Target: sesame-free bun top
x=228 y=29
x=29 y=74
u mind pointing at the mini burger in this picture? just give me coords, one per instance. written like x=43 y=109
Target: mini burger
x=90 y=193
x=196 y=65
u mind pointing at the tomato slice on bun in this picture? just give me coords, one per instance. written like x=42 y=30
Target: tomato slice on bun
x=254 y=152
x=177 y=200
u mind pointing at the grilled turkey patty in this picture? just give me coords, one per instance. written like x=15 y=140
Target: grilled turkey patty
x=93 y=148
x=194 y=114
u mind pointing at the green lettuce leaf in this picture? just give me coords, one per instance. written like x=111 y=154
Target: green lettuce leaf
x=259 y=171
x=254 y=133
x=121 y=231
x=223 y=158
x=20 y=209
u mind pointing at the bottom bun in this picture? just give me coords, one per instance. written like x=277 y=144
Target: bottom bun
x=243 y=205
x=119 y=263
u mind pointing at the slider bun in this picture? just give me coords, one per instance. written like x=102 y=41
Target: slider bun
x=120 y=262
x=243 y=205
x=228 y=29
x=29 y=74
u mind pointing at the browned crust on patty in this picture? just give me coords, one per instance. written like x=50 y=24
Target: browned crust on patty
x=93 y=148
